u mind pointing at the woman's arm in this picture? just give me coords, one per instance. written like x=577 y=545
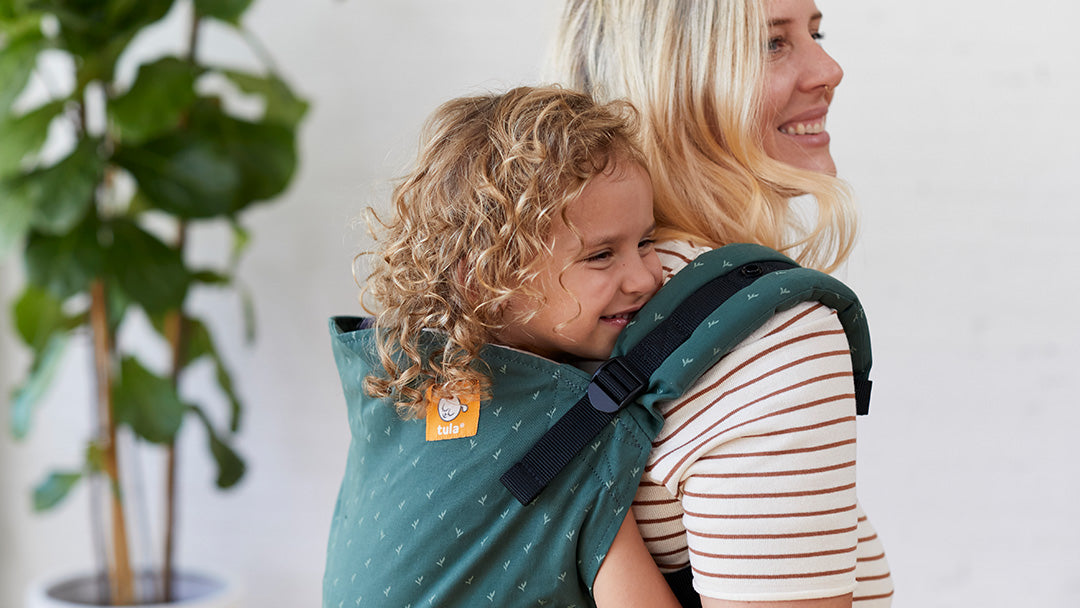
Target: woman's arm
x=629 y=577
x=843 y=601
x=760 y=456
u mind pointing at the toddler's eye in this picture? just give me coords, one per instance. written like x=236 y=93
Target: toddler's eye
x=599 y=257
x=647 y=243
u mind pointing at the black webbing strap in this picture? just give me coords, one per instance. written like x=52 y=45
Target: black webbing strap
x=621 y=380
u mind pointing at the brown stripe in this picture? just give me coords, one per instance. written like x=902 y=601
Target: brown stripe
x=656 y=539
x=809 y=427
x=681 y=549
x=868 y=538
x=864 y=598
x=801 y=494
x=746 y=363
x=815 y=448
x=660 y=520
x=773 y=577
x=773 y=536
x=709 y=408
x=835 y=467
x=701 y=443
x=661 y=250
x=751 y=556
x=771 y=515
x=872 y=558
x=648 y=503
x=879 y=577
x=796 y=318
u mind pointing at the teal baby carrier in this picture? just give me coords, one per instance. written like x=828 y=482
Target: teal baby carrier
x=523 y=512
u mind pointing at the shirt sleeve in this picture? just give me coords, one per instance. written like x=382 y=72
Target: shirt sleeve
x=757 y=463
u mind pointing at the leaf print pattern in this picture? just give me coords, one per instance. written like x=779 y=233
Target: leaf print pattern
x=403 y=499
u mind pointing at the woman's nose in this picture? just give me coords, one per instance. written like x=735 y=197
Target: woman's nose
x=822 y=70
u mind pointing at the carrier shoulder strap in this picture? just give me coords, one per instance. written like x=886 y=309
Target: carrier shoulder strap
x=703 y=312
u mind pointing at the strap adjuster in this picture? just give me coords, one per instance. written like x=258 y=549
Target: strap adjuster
x=615 y=385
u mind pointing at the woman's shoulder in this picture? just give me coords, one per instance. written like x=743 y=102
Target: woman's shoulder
x=676 y=254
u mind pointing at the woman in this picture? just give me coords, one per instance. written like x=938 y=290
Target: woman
x=751 y=482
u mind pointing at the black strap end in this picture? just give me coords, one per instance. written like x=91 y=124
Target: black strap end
x=522 y=484
x=862 y=396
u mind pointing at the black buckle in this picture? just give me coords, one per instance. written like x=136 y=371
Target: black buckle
x=615 y=385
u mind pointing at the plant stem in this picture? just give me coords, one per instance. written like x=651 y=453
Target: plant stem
x=121 y=580
x=176 y=334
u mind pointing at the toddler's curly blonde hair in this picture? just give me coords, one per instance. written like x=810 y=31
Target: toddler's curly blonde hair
x=471 y=229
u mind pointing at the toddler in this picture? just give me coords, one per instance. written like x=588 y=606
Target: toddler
x=521 y=244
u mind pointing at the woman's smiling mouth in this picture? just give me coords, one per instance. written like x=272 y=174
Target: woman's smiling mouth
x=803 y=128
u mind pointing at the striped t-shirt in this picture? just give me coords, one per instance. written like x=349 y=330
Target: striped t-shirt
x=752 y=479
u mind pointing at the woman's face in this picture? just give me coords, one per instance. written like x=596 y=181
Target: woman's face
x=800 y=80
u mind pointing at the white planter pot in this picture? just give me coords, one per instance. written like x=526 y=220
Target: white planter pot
x=190 y=590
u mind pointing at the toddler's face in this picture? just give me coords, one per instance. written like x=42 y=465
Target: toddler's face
x=593 y=285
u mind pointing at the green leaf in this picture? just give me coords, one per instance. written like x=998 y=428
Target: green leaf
x=54 y=489
x=16 y=214
x=161 y=93
x=63 y=193
x=225 y=10
x=38 y=315
x=283 y=107
x=210 y=277
x=46 y=364
x=17 y=60
x=231 y=467
x=64 y=265
x=24 y=135
x=117 y=302
x=98 y=31
x=224 y=380
x=127 y=15
x=147 y=403
x=241 y=242
x=247 y=303
x=264 y=154
x=148 y=271
x=13 y=18
x=201 y=344
x=184 y=174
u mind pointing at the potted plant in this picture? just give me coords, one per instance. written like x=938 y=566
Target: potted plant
x=103 y=228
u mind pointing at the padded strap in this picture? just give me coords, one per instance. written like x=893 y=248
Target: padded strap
x=619 y=381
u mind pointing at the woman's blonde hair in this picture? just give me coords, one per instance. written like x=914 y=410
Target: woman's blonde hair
x=695 y=71
x=471 y=229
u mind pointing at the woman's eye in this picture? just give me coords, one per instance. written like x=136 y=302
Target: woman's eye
x=818 y=36
x=776 y=43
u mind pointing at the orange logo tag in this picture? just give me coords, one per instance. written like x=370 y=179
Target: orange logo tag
x=452 y=417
